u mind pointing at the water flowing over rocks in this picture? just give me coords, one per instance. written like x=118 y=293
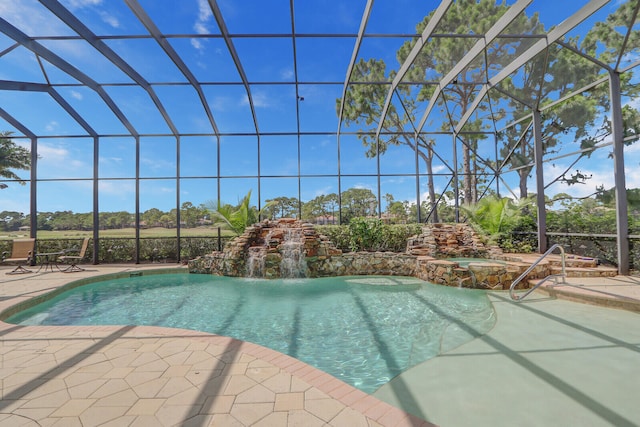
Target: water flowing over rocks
x=289 y=248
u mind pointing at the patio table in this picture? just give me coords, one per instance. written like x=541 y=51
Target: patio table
x=49 y=260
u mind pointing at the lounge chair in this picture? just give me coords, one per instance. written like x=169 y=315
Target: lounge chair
x=73 y=260
x=22 y=252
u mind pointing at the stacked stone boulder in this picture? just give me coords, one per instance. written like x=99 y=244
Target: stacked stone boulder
x=449 y=241
x=425 y=257
x=266 y=238
x=322 y=258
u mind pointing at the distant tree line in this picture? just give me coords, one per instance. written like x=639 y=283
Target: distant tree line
x=595 y=214
x=324 y=209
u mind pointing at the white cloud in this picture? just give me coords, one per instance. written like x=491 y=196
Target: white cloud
x=219 y=103
x=286 y=74
x=119 y=188
x=201 y=25
x=633 y=148
x=106 y=161
x=260 y=100
x=51 y=126
x=76 y=95
x=109 y=19
x=34 y=20
x=197 y=44
x=30 y=19
x=323 y=191
x=394 y=180
x=51 y=153
x=105 y=16
x=204 y=11
x=200 y=28
x=439 y=168
x=598 y=177
x=361 y=186
x=157 y=164
x=79 y=4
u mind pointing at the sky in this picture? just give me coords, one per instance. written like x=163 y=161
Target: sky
x=282 y=108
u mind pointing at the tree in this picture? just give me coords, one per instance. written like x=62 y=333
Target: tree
x=12 y=157
x=189 y=214
x=363 y=102
x=152 y=216
x=564 y=71
x=281 y=207
x=363 y=105
x=168 y=220
x=396 y=211
x=358 y=202
x=65 y=220
x=441 y=54
x=11 y=220
x=608 y=198
x=323 y=206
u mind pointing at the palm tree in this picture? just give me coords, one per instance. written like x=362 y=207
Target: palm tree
x=235 y=218
x=495 y=216
x=12 y=157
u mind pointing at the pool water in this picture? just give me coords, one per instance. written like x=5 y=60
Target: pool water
x=464 y=262
x=364 y=330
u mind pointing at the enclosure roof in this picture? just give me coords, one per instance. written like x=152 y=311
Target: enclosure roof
x=279 y=67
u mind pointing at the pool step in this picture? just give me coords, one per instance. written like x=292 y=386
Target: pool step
x=576 y=262
x=591 y=295
x=597 y=271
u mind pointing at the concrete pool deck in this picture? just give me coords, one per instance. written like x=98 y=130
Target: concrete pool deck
x=148 y=376
x=548 y=361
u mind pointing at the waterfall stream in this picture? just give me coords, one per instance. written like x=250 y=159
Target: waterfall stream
x=255 y=262
x=293 y=264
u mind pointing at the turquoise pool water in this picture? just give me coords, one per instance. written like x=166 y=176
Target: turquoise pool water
x=364 y=330
x=464 y=262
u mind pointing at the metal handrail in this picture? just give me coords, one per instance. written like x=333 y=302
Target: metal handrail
x=563 y=275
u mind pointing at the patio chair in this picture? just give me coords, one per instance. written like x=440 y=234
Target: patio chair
x=22 y=251
x=73 y=260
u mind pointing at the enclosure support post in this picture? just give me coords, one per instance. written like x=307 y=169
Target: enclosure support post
x=622 y=219
x=96 y=205
x=33 y=211
x=178 y=199
x=538 y=153
x=136 y=257
x=455 y=179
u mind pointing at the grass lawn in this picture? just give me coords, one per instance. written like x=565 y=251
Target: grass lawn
x=122 y=232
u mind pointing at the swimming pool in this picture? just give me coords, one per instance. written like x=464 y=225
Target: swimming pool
x=364 y=330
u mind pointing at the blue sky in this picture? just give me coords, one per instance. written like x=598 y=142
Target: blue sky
x=268 y=63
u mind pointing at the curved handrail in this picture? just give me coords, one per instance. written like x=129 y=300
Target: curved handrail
x=523 y=275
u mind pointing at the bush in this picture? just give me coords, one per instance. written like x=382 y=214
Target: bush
x=365 y=234
x=372 y=234
x=394 y=237
x=337 y=234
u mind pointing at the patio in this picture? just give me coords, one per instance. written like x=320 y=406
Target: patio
x=130 y=375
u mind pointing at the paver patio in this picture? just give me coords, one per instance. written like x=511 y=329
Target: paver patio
x=152 y=376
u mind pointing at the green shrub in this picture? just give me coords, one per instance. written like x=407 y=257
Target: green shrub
x=338 y=234
x=369 y=234
x=365 y=234
x=394 y=237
